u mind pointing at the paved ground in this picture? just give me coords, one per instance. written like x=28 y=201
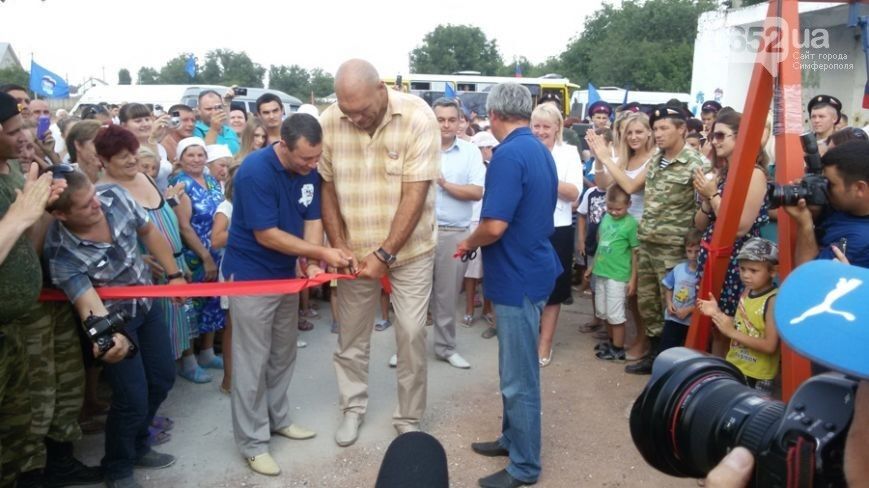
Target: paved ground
x=586 y=441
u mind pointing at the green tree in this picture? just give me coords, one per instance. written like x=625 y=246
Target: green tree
x=147 y=76
x=124 y=77
x=528 y=69
x=450 y=48
x=648 y=44
x=14 y=74
x=227 y=67
x=293 y=80
x=174 y=72
x=322 y=83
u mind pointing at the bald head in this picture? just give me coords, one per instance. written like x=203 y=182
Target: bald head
x=356 y=74
x=362 y=96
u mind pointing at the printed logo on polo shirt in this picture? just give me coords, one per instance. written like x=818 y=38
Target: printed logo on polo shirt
x=307 y=194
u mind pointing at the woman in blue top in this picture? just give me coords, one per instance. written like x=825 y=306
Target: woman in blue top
x=196 y=223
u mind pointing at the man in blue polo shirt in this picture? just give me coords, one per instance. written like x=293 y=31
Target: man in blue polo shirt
x=211 y=125
x=276 y=217
x=521 y=267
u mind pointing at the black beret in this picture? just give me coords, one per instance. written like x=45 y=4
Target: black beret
x=666 y=111
x=237 y=106
x=710 y=106
x=8 y=107
x=630 y=107
x=827 y=99
x=600 y=107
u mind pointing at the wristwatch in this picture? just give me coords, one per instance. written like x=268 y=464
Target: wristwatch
x=384 y=256
x=177 y=274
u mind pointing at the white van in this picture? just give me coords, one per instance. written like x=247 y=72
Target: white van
x=168 y=95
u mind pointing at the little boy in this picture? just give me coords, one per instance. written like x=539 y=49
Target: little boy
x=680 y=294
x=752 y=333
x=591 y=210
x=615 y=270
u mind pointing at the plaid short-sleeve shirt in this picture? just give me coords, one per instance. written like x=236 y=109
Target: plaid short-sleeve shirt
x=76 y=265
x=368 y=171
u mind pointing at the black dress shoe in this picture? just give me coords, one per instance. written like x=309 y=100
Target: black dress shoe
x=502 y=479
x=491 y=449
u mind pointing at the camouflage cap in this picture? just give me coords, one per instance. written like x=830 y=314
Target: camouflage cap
x=758 y=249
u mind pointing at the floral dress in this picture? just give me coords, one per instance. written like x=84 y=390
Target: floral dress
x=205 y=200
x=733 y=286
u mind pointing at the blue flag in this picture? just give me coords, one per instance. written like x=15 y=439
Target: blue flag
x=46 y=84
x=593 y=96
x=190 y=67
x=449 y=91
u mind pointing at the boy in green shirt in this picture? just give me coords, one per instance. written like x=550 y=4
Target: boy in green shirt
x=615 y=270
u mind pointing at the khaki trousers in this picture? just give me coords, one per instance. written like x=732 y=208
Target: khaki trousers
x=357 y=303
x=448 y=275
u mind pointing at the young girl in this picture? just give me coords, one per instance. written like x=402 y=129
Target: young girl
x=219 y=238
x=752 y=332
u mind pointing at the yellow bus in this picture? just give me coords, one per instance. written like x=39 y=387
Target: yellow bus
x=472 y=88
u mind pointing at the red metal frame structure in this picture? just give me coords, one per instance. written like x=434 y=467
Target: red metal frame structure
x=789 y=166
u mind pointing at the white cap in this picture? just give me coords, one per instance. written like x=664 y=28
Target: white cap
x=307 y=108
x=484 y=139
x=183 y=144
x=218 y=151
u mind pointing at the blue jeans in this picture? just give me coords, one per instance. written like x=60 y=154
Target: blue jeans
x=139 y=385
x=519 y=367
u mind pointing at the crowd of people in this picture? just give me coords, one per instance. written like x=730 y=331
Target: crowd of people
x=420 y=203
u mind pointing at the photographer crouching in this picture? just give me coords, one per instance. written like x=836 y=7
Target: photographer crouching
x=94 y=243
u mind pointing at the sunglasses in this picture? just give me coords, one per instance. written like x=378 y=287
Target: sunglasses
x=720 y=136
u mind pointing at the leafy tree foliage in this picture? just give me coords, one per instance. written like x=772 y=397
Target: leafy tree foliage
x=647 y=44
x=450 y=48
x=14 y=74
x=227 y=67
x=147 y=76
x=124 y=77
x=293 y=80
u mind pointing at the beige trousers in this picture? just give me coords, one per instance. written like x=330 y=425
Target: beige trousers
x=357 y=303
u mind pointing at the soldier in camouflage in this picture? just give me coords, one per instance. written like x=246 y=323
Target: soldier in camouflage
x=668 y=214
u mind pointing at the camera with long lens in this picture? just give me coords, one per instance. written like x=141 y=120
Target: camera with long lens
x=101 y=328
x=697 y=407
x=813 y=187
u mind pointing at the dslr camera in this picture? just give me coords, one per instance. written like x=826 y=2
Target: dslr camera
x=813 y=187
x=697 y=407
x=101 y=328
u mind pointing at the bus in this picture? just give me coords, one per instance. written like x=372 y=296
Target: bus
x=616 y=96
x=473 y=89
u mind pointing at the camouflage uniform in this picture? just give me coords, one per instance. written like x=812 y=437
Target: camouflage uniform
x=668 y=214
x=56 y=378
x=20 y=281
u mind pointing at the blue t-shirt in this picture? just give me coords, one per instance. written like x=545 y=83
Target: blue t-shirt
x=521 y=189
x=266 y=195
x=227 y=136
x=837 y=226
x=683 y=282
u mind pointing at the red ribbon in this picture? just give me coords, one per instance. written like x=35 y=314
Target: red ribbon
x=712 y=255
x=226 y=288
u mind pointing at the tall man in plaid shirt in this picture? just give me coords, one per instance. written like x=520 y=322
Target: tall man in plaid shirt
x=381 y=153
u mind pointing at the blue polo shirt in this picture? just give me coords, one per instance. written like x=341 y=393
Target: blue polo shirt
x=521 y=189
x=837 y=227
x=227 y=136
x=266 y=195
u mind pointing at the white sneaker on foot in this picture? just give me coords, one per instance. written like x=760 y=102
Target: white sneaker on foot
x=457 y=361
x=393 y=361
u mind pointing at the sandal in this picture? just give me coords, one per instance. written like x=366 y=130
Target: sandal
x=589 y=327
x=382 y=325
x=490 y=319
x=163 y=423
x=157 y=437
x=305 y=325
x=467 y=320
x=489 y=333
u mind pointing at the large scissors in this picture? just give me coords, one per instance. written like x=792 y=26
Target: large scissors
x=466 y=256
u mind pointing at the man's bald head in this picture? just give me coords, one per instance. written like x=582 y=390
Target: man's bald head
x=362 y=96
x=356 y=73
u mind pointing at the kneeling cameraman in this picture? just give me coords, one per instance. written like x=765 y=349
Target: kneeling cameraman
x=845 y=223
x=92 y=243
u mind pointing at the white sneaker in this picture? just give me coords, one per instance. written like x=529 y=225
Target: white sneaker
x=301 y=344
x=393 y=361
x=457 y=361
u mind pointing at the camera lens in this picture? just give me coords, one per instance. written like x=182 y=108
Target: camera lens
x=785 y=195
x=694 y=409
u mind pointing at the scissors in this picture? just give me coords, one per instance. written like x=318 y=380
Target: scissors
x=466 y=256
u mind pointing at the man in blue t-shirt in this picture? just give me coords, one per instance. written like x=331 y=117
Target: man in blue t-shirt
x=275 y=218
x=521 y=267
x=846 y=225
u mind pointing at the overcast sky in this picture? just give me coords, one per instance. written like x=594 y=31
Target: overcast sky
x=80 y=38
